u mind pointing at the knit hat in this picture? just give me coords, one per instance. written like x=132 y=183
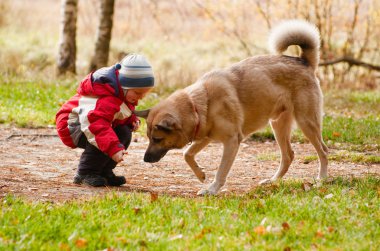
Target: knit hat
x=135 y=72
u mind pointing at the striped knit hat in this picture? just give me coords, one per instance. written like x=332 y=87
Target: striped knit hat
x=135 y=72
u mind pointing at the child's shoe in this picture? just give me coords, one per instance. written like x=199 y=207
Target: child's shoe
x=91 y=180
x=112 y=179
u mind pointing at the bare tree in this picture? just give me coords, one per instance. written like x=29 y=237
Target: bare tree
x=100 y=57
x=67 y=45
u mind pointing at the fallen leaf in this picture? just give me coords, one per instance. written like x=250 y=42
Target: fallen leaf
x=330 y=229
x=319 y=234
x=322 y=190
x=153 y=196
x=260 y=230
x=285 y=226
x=81 y=243
x=336 y=134
x=203 y=233
x=137 y=210
x=287 y=249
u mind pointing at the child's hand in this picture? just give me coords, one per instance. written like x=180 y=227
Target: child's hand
x=136 y=125
x=118 y=157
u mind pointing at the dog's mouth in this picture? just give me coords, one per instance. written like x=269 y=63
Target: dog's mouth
x=152 y=157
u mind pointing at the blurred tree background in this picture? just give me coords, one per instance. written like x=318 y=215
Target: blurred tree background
x=184 y=39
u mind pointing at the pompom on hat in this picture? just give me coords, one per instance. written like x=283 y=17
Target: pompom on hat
x=135 y=72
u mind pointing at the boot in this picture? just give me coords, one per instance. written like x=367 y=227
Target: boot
x=91 y=180
x=112 y=179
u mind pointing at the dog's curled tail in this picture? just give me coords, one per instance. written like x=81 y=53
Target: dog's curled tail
x=296 y=32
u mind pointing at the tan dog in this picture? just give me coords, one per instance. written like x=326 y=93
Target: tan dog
x=228 y=105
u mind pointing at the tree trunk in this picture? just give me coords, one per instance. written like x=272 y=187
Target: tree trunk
x=102 y=46
x=67 y=44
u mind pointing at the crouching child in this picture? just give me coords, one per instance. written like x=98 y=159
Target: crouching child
x=99 y=118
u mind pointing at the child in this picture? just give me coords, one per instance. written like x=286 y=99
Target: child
x=100 y=119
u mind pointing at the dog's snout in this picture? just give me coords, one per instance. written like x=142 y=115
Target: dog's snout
x=154 y=156
x=150 y=158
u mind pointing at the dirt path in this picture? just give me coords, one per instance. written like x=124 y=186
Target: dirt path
x=42 y=168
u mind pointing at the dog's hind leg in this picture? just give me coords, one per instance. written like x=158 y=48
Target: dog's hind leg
x=189 y=155
x=230 y=149
x=310 y=124
x=282 y=128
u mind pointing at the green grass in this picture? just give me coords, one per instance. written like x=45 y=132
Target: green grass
x=32 y=104
x=268 y=218
x=352 y=118
x=356 y=131
x=347 y=156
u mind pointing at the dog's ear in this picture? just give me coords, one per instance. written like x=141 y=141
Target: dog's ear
x=167 y=125
x=142 y=114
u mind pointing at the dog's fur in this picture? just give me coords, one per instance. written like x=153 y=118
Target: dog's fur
x=228 y=105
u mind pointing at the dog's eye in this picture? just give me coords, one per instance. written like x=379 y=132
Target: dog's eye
x=157 y=140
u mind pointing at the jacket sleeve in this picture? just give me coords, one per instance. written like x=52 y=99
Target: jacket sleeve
x=100 y=132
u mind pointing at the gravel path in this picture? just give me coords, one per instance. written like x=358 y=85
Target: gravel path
x=36 y=165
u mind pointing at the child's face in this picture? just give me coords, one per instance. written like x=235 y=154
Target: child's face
x=134 y=95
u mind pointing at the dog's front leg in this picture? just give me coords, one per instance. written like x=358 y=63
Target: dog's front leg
x=189 y=155
x=230 y=149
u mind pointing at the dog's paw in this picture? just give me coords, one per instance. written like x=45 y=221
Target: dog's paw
x=211 y=190
x=202 y=192
x=205 y=192
x=265 y=182
x=322 y=176
x=201 y=176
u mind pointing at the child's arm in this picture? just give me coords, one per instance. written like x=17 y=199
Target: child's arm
x=99 y=131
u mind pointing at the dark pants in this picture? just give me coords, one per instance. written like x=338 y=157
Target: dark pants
x=94 y=161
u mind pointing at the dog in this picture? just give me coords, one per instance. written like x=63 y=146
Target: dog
x=229 y=104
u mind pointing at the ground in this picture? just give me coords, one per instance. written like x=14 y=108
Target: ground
x=37 y=166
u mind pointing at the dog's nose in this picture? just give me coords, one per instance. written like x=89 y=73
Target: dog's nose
x=150 y=158
x=154 y=156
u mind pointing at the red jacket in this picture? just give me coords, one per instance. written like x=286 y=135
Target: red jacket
x=97 y=108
